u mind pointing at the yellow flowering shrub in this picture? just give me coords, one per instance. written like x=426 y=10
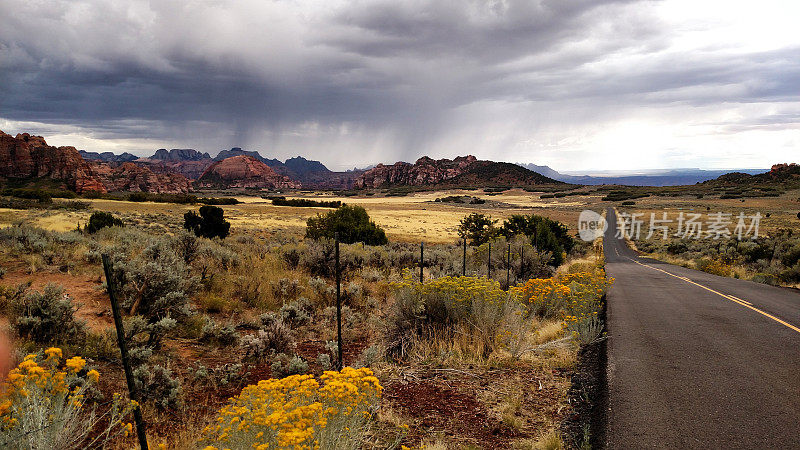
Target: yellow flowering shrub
x=473 y=306
x=574 y=297
x=474 y=315
x=42 y=405
x=298 y=412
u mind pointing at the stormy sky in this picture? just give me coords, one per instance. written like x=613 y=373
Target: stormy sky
x=574 y=84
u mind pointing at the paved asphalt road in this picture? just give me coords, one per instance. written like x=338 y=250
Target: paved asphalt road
x=696 y=360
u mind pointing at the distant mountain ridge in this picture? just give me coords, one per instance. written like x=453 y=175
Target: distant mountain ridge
x=237 y=151
x=107 y=156
x=786 y=174
x=461 y=171
x=179 y=154
x=302 y=166
x=670 y=177
x=499 y=174
x=29 y=157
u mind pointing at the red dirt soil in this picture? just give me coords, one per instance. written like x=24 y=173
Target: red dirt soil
x=94 y=306
x=442 y=409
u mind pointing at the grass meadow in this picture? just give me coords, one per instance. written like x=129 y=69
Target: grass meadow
x=225 y=333
x=482 y=361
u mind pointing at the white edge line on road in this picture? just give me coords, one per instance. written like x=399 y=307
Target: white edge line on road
x=744 y=303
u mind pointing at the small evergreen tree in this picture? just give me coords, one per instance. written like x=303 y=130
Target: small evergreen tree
x=210 y=223
x=351 y=222
x=477 y=228
x=545 y=234
x=101 y=219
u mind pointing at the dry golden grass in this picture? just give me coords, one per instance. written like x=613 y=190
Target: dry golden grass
x=782 y=210
x=406 y=219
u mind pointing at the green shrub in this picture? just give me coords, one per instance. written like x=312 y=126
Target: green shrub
x=352 y=223
x=529 y=226
x=274 y=337
x=231 y=375
x=42 y=195
x=291 y=254
x=297 y=312
x=284 y=366
x=791 y=274
x=101 y=345
x=144 y=338
x=155 y=283
x=766 y=278
x=286 y=289
x=319 y=258
x=218 y=201
x=471 y=307
x=615 y=196
x=15 y=203
x=305 y=203
x=713 y=266
x=210 y=223
x=477 y=228
x=46 y=317
x=224 y=335
x=461 y=199
x=157 y=385
x=187 y=246
x=159 y=198
x=101 y=219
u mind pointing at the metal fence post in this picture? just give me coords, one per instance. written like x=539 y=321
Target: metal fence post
x=489 y=265
x=421 y=259
x=340 y=362
x=464 y=261
x=123 y=350
x=508 y=267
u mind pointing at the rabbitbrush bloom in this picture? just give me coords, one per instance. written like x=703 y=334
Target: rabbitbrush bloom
x=42 y=405
x=299 y=412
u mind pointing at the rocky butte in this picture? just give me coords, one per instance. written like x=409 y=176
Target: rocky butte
x=463 y=171
x=27 y=157
x=423 y=172
x=243 y=171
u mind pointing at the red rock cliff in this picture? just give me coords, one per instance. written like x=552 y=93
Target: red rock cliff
x=244 y=171
x=26 y=156
x=424 y=171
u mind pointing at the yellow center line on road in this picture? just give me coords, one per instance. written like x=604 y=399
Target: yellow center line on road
x=744 y=303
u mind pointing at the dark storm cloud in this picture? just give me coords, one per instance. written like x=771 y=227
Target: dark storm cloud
x=390 y=77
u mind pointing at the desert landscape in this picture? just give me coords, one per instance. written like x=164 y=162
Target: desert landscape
x=433 y=225
x=509 y=358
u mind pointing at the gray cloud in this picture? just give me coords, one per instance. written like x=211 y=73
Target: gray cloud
x=357 y=82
